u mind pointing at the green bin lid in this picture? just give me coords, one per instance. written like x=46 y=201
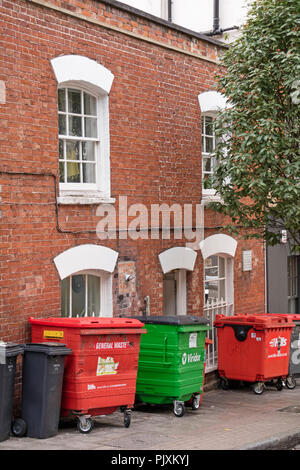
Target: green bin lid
x=174 y=320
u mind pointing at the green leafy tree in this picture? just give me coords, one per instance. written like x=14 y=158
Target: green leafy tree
x=258 y=175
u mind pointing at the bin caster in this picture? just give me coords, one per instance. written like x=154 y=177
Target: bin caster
x=179 y=408
x=290 y=382
x=258 y=388
x=279 y=384
x=85 y=424
x=224 y=383
x=127 y=418
x=196 y=402
x=19 y=427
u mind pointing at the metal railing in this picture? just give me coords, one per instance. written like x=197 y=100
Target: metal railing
x=212 y=308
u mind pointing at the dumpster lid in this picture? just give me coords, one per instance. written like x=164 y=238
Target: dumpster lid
x=50 y=349
x=87 y=322
x=292 y=316
x=174 y=320
x=257 y=320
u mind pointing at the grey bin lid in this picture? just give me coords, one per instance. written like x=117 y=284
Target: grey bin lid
x=10 y=349
x=50 y=349
x=174 y=320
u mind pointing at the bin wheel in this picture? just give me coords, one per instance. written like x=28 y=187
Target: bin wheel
x=196 y=402
x=279 y=385
x=258 y=388
x=179 y=409
x=19 y=427
x=85 y=424
x=127 y=419
x=224 y=383
x=290 y=382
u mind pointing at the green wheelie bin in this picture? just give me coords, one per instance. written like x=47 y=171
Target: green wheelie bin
x=171 y=361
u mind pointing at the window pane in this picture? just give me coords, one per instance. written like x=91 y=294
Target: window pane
x=211 y=261
x=72 y=150
x=65 y=297
x=61 y=149
x=74 y=101
x=62 y=100
x=208 y=126
x=211 y=273
x=221 y=267
x=222 y=289
x=89 y=105
x=75 y=126
x=90 y=126
x=78 y=295
x=207 y=164
x=61 y=172
x=88 y=151
x=209 y=144
x=62 y=128
x=73 y=172
x=93 y=296
x=203 y=124
x=211 y=289
x=89 y=174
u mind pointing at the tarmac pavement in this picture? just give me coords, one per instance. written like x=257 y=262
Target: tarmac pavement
x=234 y=419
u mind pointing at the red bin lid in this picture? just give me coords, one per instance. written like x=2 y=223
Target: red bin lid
x=87 y=322
x=257 y=320
x=291 y=316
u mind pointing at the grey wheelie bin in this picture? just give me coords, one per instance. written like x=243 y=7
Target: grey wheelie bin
x=8 y=360
x=43 y=370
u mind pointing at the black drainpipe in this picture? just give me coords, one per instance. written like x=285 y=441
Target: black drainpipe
x=170 y=10
x=216 y=22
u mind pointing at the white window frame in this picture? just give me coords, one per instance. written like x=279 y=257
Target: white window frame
x=84 y=74
x=206 y=154
x=67 y=137
x=211 y=102
x=105 y=291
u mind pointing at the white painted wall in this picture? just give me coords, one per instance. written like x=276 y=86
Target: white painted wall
x=197 y=15
x=149 y=6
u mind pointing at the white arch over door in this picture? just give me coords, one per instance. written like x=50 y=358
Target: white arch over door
x=179 y=257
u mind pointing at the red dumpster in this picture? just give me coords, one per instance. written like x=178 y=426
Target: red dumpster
x=100 y=374
x=253 y=348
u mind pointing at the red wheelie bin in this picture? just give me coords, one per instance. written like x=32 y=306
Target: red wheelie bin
x=253 y=348
x=100 y=374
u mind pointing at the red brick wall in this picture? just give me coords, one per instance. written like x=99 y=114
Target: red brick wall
x=155 y=142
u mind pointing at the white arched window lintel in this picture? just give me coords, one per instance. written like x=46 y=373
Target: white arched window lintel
x=80 y=69
x=85 y=257
x=218 y=244
x=212 y=101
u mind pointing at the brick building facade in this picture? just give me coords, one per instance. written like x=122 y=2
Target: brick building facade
x=125 y=127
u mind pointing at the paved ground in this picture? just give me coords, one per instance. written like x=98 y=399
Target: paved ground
x=236 y=419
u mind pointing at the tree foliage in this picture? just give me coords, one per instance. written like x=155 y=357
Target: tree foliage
x=258 y=175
